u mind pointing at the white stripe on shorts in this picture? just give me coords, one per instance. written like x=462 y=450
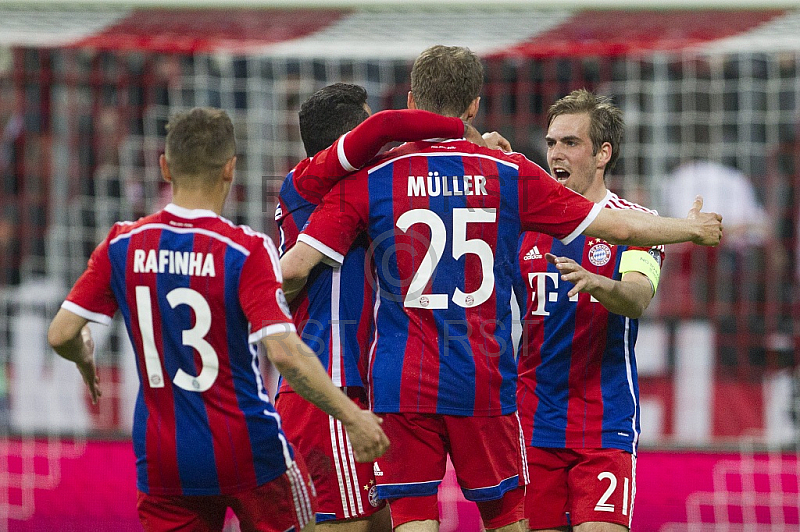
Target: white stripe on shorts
x=525 y=475
x=352 y=484
x=343 y=493
x=302 y=500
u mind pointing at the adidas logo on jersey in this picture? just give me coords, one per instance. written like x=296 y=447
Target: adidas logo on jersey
x=532 y=254
x=376 y=470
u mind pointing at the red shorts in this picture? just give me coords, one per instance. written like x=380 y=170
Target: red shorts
x=277 y=506
x=573 y=486
x=486 y=452
x=345 y=488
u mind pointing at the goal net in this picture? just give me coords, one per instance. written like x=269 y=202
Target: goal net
x=85 y=94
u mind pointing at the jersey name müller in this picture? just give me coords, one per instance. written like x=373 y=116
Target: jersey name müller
x=443 y=246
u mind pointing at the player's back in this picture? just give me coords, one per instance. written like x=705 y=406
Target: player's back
x=333 y=313
x=444 y=237
x=203 y=423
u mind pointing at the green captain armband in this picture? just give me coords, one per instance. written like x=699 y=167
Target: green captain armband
x=636 y=260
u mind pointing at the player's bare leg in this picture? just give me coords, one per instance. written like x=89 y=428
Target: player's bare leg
x=345 y=525
x=429 y=525
x=596 y=526
x=559 y=529
x=380 y=521
x=519 y=526
x=310 y=527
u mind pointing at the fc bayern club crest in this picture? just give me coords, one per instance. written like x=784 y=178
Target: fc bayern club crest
x=374 y=501
x=600 y=254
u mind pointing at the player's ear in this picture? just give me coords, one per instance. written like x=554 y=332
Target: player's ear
x=227 y=170
x=410 y=103
x=472 y=110
x=162 y=162
x=604 y=154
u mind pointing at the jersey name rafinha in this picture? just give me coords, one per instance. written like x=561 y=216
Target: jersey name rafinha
x=196 y=293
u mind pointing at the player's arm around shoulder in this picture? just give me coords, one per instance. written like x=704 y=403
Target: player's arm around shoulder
x=328 y=234
x=303 y=371
x=296 y=266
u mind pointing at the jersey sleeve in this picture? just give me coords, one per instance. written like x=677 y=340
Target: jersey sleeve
x=356 y=148
x=339 y=219
x=91 y=296
x=260 y=293
x=547 y=206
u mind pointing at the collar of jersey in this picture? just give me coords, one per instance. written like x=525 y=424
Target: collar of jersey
x=189 y=214
x=609 y=196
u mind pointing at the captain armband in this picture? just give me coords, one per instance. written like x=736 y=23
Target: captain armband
x=635 y=260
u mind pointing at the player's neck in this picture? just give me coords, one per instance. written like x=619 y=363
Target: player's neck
x=597 y=190
x=198 y=199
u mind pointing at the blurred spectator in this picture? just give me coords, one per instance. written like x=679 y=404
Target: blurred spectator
x=725 y=190
x=726 y=285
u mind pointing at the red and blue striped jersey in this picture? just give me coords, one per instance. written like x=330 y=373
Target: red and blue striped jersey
x=578 y=383
x=444 y=219
x=333 y=313
x=196 y=293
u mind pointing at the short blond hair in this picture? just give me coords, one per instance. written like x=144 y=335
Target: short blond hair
x=446 y=79
x=199 y=144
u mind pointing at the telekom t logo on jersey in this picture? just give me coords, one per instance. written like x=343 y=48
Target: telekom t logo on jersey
x=540 y=295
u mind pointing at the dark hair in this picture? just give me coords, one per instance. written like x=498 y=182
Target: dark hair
x=199 y=143
x=329 y=113
x=446 y=79
x=605 y=120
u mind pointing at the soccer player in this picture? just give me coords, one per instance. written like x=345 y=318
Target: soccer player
x=334 y=314
x=444 y=219
x=197 y=294
x=578 y=395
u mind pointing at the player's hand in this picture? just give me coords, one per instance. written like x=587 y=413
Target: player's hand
x=366 y=436
x=709 y=224
x=86 y=365
x=496 y=141
x=473 y=135
x=573 y=272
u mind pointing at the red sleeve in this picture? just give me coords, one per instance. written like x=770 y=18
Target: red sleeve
x=91 y=297
x=547 y=206
x=356 y=148
x=339 y=219
x=261 y=295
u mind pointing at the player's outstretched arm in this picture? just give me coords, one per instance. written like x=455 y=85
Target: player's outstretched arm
x=635 y=228
x=70 y=337
x=627 y=297
x=302 y=370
